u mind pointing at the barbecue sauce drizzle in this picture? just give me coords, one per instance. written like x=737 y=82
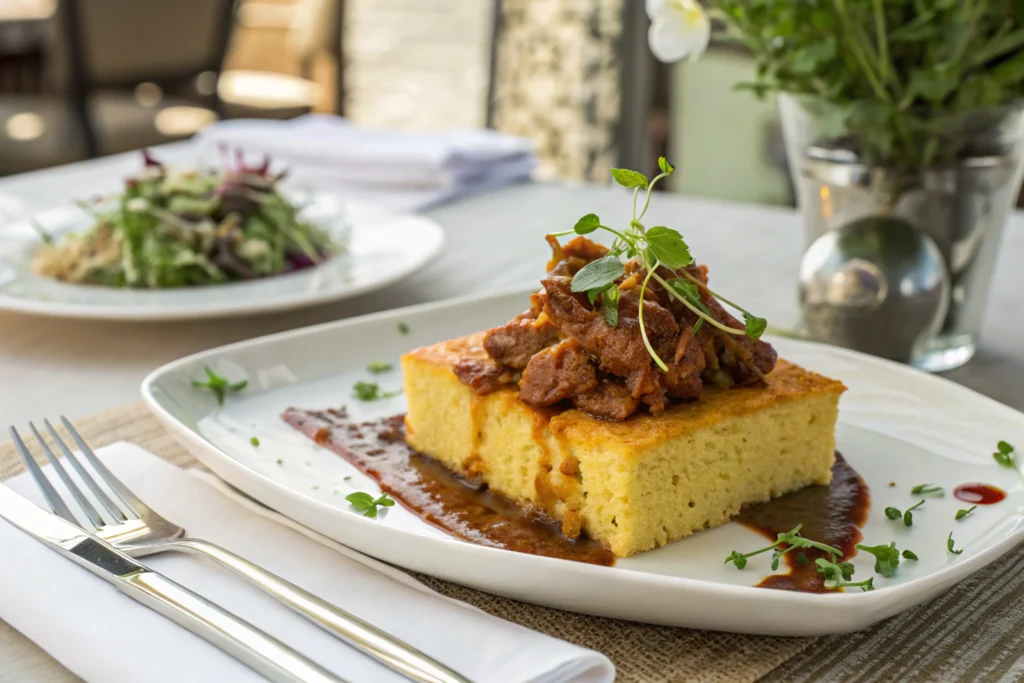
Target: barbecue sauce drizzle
x=830 y=514
x=468 y=510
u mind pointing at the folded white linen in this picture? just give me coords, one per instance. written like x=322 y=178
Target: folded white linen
x=407 y=170
x=104 y=636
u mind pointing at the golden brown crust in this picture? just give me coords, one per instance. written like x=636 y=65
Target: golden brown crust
x=786 y=382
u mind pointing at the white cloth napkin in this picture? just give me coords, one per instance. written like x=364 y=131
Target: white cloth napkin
x=106 y=637
x=401 y=170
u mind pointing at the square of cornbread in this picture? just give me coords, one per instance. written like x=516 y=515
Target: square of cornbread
x=632 y=485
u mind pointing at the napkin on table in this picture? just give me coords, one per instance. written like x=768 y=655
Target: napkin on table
x=104 y=636
x=400 y=170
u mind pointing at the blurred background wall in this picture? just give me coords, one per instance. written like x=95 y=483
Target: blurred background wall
x=81 y=78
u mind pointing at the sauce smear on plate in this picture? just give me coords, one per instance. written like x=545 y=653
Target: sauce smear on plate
x=979 y=494
x=830 y=514
x=429 y=490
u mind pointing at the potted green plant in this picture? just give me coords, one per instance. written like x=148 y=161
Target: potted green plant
x=904 y=110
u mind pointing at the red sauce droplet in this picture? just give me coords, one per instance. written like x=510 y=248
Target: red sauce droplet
x=979 y=494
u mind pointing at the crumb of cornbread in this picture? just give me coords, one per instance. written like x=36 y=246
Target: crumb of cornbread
x=633 y=485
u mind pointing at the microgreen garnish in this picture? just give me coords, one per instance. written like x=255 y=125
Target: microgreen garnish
x=926 y=489
x=279 y=461
x=403 y=328
x=791 y=539
x=838 y=575
x=346 y=478
x=908 y=518
x=893 y=513
x=377 y=367
x=655 y=247
x=909 y=555
x=887 y=558
x=371 y=391
x=366 y=504
x=254 y=441
x=950 y=545
x=1005 y=455
x=219 y=385
x=960 y=514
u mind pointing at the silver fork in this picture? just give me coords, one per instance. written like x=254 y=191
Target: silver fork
x=134 y=528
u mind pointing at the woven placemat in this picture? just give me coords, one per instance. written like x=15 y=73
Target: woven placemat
x=974 y=632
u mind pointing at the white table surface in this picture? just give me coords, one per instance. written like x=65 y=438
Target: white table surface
x=495 y=242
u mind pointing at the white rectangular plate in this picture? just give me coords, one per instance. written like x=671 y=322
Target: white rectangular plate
x=896 y=425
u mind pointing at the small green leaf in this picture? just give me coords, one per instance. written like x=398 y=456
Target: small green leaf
x=1004 y=447
x=754 y=326
x=909 y=555
x=1004 y=459
x=371 y=391
x=587 y=224
x=960 y=514
x=925 y=489
x=668 y=246
x=950 y=545
x=893 y=513
x=598 y=274
x=665 y=166
x=403 y=328
x=737 y=559
x=377 y=367
x=887 y=558
x=627 y=178
x=254 y=441
x=610 y=305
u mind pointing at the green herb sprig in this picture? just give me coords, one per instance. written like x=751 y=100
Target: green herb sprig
x=371 y=391
x=950 y=546
x=378 y=367
x=908 y=516
x=887 y=558
x=927 y=489
x=791 y=539
x=655 y=247
x=960 y=514
x=838 y=575
x=219 y=385
x=1005 y=454
x=366 y=504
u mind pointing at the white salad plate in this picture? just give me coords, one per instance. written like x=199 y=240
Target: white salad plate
x=896 y=425
x=380 y=248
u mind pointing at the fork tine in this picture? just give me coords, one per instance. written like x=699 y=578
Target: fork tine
x=55 y=502
x=76 y=493
x=111 y=507
x=127 y=498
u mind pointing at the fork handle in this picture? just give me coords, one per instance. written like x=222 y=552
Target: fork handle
x=386 y=649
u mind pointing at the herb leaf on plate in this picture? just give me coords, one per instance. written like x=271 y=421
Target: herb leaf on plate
x=219 y=385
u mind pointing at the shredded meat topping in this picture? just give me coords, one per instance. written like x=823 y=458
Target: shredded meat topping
x=564 y=351
x=557 y=373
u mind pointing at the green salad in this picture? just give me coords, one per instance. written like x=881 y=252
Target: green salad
x=184 y=229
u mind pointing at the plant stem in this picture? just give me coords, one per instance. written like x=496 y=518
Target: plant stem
x=718 y=296
x=647 y=201
x=640 y=318
x=686 y=302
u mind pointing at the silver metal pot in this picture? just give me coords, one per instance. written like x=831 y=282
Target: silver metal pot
x=936 y=230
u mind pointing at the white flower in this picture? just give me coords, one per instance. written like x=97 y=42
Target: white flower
x=679 y=28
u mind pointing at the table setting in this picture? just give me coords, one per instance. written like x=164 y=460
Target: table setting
x=301 y=401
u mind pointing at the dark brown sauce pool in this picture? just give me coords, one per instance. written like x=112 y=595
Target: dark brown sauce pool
x=829 y=514
x=428 y=489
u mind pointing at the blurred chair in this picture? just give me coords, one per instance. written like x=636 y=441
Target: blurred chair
x=140 y=72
